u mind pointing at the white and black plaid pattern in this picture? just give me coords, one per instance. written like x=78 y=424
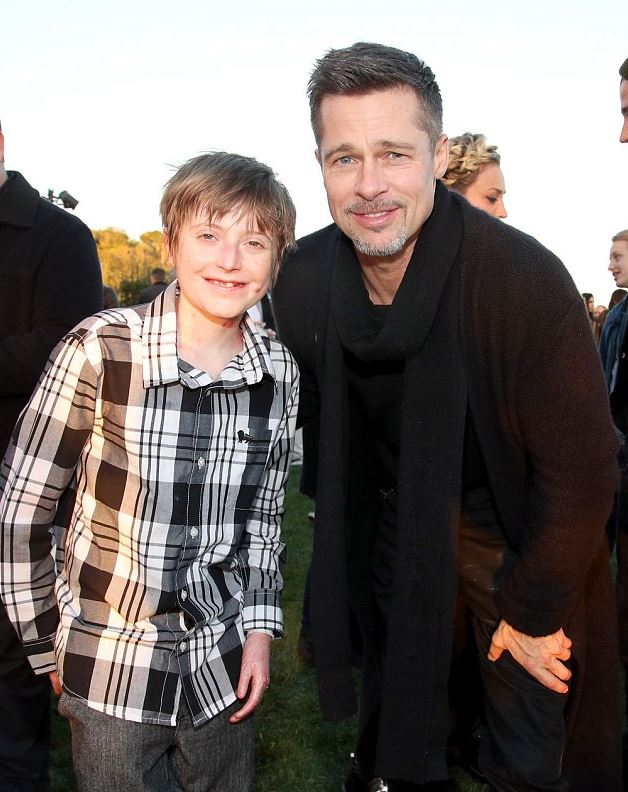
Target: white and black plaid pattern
x=168 y=490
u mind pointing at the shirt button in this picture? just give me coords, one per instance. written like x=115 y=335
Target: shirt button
x=183 y=646
x=194 y=532
x=201 y=462
x=184 y=594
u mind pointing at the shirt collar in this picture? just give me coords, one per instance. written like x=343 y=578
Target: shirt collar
x=160 y=362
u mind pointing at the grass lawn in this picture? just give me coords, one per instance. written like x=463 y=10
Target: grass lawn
x=296 y=751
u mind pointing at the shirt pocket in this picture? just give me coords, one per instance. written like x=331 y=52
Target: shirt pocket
x=249 y=453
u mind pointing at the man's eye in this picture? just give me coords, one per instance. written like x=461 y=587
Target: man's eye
x=491 y=198
x=346 y=160
x=394 y=155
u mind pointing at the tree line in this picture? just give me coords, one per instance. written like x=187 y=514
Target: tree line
x=126 y=263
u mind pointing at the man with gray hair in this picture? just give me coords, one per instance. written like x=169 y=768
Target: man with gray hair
x=50 y=281
x=462 y=450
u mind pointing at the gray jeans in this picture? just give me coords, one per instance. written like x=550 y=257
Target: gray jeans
x=115 y=755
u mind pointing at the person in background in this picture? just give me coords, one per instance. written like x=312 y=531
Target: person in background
x=160 y=436
x=474 y=170
x=616 y=297
x=51 y=280
x=158 y=283
x=589 y=304
x=614 y=332
x=110 y=298
x=623 y=98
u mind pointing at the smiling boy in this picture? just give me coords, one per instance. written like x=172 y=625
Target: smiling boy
x=157 y=446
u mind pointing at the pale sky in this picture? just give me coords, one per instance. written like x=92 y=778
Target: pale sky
x=100 y=99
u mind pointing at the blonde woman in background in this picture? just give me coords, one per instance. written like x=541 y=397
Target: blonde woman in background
x=474 y=171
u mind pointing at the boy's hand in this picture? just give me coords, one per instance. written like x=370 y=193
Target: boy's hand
x=254 y=673
x=55 y=682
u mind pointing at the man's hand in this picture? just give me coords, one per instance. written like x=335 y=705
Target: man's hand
x=254 y=673
x=55 y=682
x=541 y=657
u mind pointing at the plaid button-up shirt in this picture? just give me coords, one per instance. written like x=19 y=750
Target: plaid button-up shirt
x=164 y=490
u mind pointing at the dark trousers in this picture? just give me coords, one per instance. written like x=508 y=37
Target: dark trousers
x=24 y=731
x=524 y=732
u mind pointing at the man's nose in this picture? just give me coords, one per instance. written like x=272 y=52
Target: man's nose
x=371 y=180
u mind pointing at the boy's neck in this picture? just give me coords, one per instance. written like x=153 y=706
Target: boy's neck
x=207 y=344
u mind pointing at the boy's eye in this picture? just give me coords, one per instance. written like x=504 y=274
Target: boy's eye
x=207 y=235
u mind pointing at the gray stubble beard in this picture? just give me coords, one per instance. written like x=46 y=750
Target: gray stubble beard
x=390 y=248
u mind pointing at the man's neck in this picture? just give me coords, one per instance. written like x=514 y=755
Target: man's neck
x=3 y=176
x=382 y=275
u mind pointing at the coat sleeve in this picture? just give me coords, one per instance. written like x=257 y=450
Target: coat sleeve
x=293 y=304
x=570 y=448
x=67 y=288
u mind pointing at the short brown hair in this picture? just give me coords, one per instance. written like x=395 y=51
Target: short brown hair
x=623 y=70
x=365 y=67
x=216 y=183
x=621 y=236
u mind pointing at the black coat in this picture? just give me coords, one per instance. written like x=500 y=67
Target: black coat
x=538 y=401
x=50 y=280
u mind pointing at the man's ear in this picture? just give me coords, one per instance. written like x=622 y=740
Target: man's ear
x=441 y=156
x=317 y=154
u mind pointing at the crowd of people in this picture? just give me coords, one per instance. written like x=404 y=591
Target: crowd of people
x=470 y=470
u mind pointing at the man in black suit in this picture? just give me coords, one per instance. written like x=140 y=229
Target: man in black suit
x=50 y=279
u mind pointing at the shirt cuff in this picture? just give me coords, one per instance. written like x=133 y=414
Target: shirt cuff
x=260 y=631
x=262 y=611
x=41 y=655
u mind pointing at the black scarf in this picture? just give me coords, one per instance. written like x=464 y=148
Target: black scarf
x=422 y=327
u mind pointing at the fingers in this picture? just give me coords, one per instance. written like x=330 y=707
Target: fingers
x=497 y=646
x=549 y=679
x=243 y=682
x=255 y=681
x=55 y=682
x=495 y=652
x=559 y=670
x=564 y=655
x=540 y=656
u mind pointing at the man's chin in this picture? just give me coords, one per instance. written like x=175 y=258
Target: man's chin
x=379 y=248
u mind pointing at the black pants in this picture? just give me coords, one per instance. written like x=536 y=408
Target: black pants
x=24 y=731
x=524 y=732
